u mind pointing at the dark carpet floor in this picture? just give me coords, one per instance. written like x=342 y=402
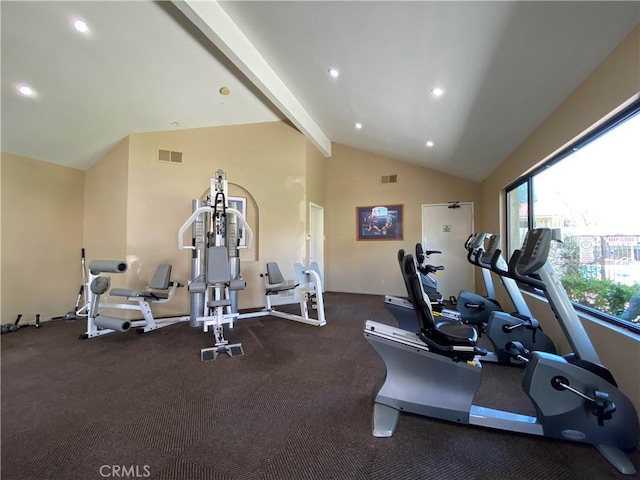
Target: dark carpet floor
x=297 y=405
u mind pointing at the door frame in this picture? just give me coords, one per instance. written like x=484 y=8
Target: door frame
x=314 y=209
x=448 y=205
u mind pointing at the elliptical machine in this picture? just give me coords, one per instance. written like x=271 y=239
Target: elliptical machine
x=435 y=371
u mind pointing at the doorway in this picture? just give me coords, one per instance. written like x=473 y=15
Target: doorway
x=316 y=236
x=446 y=229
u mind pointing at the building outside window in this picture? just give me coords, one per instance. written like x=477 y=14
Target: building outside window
x=591 y=191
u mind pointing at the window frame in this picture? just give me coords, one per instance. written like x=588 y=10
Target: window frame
x=527 y=179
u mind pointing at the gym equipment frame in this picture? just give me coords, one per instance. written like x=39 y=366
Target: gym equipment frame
x=161 y=290
x=309 y=288
x=215 y=265
x=216 y=277
x=435 y=372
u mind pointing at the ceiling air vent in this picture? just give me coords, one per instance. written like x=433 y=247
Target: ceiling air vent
x=169 y=156
x=389 y=178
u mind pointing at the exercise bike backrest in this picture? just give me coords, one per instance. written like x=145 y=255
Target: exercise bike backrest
x=421 y=306
x=401 y=254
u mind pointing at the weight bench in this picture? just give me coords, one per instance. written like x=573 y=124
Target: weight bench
x=275 y=282
x=308 y=286
x=160 y=290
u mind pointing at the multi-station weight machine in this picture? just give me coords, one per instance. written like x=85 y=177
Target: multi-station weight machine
x=216 y=277
x=215 y=265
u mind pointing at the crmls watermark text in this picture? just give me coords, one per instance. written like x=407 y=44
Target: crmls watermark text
x=125 y=471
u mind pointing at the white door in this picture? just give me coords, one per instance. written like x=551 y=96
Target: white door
x=446 y=229
x=316 y=236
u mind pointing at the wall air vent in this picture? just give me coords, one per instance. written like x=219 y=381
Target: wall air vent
x=390 y=179
x=169 y=156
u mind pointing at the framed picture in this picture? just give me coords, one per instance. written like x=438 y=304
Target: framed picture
x=240 y=204
x=382 y=222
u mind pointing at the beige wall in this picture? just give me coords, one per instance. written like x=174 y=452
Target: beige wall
x=105 y=200
x=354 y=179
x=266 y=162
x=316 y=184
x=613 y=83
x=42 y=211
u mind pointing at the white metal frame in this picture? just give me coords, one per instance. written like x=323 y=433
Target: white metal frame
x=147 y=325
x=308 y=292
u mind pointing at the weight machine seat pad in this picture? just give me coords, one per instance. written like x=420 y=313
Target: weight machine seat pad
x=218 y=268
x=274 y=276
x=237 y=284
x=97 y=267
x=161 y=279
x=146 y=294
x=219 y=303
x=280 y=288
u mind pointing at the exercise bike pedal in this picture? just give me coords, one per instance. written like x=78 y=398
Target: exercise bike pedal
x=516 y=351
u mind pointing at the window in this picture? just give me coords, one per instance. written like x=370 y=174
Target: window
x=590 y=191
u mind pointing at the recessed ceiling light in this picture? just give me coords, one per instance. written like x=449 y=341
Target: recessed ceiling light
x=429 y=143
x=224 y=91
x=26 y=90
x=334 y=72
x=437 y=91
x=80 y=25
x=358 y=125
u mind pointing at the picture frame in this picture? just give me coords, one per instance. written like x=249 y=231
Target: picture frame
x=380 y=222
x=240 y=204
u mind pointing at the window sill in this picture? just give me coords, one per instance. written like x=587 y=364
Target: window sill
x=584 y=316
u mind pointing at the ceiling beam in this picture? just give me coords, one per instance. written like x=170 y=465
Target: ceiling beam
x=213 y=21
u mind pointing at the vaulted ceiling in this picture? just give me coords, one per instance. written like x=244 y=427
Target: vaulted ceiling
x=152 y=66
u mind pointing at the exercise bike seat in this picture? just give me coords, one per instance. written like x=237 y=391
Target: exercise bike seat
x=450 y=339
x=449 y=333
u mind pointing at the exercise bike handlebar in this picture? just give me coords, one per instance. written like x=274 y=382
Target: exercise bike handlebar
x=478 y=258
x=494 y=264
x=426 y=269
x=516 y=275
x=473 y=255
x=468 y=241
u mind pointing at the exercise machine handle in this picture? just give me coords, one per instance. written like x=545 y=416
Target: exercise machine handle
x=494 y=263
x=468 y=241
x=516 y=275
x=198 y=211
x=480 y=254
